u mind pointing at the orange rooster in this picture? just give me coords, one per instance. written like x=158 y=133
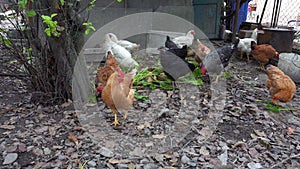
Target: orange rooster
x=117 y=93
x=281 y=86
x=263 y=53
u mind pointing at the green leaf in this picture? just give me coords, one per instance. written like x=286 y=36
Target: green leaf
x=119 y=1
x=92 y=98
x=22 y=4
x=87 y=31
x=48 y=32
x=31 y=13
x=62 y=2
x=140 y=97
x=53 y=15
x=46 y=18
x=227 y=75
x=70 y=4
x=93 y=28
x=7 y=42
x=60 y=28
x=12 y=62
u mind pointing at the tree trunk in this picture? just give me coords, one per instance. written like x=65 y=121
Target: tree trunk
x=56 y=56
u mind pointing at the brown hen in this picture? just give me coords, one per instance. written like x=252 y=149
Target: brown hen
x=200 y=49
x=281 y=86
x=262 y=53
x=111 y=65
x=117 y=94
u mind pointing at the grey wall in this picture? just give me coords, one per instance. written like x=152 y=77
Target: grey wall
x=106 y=11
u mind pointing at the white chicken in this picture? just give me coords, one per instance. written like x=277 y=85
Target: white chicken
x=122 y=55
x=180 y=41
x=124 y=43
x=244 y=45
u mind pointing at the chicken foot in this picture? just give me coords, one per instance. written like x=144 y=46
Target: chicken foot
x=116 y=122
x=125 y=115
x=262 y=67
x=248 y=57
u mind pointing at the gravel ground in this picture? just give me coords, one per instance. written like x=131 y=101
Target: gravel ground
x=177 y=129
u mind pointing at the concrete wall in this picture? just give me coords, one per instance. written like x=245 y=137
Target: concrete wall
x=106 y=11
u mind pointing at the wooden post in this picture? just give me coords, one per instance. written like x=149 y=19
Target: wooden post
x=236 y=19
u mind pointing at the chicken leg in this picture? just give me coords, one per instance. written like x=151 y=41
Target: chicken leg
x=248 y=59
x=262 y=67
x=116 y=122
x=125 y=115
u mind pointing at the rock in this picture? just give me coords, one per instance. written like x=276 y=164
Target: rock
x=29 y=122
x=289 y=63
x=11 y=149
x=47 y=151
x=22 y=147
x=204 y=151
x=253 y=165
x=185 y=159
x=10 y=158
x=144 y=161
x=150 y=166
x=106 y=152
x=92 y=163
x=38 y=152
x=122 y=166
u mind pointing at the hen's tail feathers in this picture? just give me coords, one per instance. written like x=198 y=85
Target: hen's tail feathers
x=254 y=34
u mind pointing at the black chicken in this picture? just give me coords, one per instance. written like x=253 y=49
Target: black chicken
x=170 y=44
x=173 y=65
x=218 y=59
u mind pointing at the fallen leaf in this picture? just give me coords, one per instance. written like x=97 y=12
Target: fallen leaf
x=149 y=144
x=78 y=128
x=52 y=131
x=39 y=165
x=73 y=138
x=158 y=136
x=290 y=130
x=8 y=127
x=66 y=104
x=131 y=166
x=254 y=136
x=239 y=143
x=110 y=166
x=140 y=127
x=204 y=151
x=147 y=124
x=260 y=133
x=264 y=141
x=115 y=161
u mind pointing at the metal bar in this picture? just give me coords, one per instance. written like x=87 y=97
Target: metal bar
x=263 y=12
x=273 y=13
x=236 y=19
x=278 y=12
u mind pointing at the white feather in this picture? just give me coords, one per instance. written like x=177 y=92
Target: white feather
x=122 y=55
x=124 y=43
x=180 y=41
x=245 y=43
